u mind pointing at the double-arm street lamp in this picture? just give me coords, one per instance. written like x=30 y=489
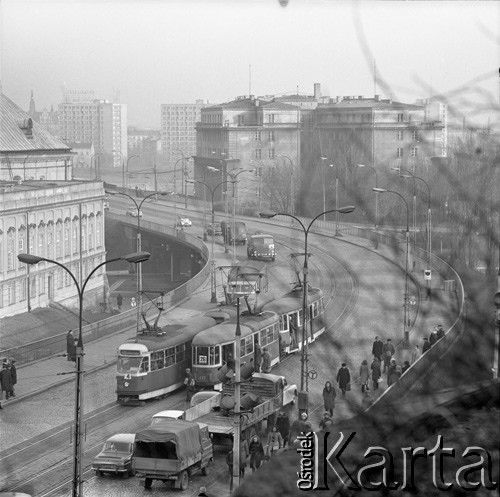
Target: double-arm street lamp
x=125 y=175
x=410 y=175
x=304 y=376
x=406 y=313
x=135 y=258
x=336 y=210
x=212 y=191
x=138 y=206
x=175 y=184
x=376 y=186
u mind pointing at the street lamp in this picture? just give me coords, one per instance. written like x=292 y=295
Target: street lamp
x=175 y=185
x=304 y=380
x=135 y=258
x=376 y=186
x=324 y=187
x=125 y=174
x=400 y=169
x=429 y=223
x=139 y=245
x=212 y=191
x=406 y=313
x=243 y=282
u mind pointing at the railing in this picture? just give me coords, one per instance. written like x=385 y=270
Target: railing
x=120 y=322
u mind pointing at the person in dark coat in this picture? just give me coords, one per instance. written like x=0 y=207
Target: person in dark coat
x=389 y=351
x=13 y=375
x=406 y=366
x=266 y=361
x=376 y=372
x=189 y=382
x=326 y=420
x=426 y=346
x=256 y=450
x=257 y=358
x=70 y=346
x=283 y=425
x=378 y=349
x=364 y=376
x=6 y=380
x=119 y=301
x=440 y=331
x=329 y=395
x=433 y=337
x=343 y=378
x=301 y=425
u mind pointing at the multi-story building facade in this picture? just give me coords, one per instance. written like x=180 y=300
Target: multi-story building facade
x=178 y=130
x=245 y=134
x=43 y=212
x=100 y=122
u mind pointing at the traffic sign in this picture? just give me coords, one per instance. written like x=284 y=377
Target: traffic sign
x=427 y=274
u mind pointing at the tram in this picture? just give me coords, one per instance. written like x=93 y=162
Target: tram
x=289 y=309
x=214 y=348
x=154 y=363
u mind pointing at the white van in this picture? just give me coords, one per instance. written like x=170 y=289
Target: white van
x=165 y=415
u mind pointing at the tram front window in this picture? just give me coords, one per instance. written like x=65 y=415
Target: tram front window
x=207 y=356
x=130 y=364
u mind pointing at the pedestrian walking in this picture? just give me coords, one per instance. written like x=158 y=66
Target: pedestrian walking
x=415 y=354
x=119 y=301
x=325 y=421
x=70 y=346
x=390 y=372
x=378 y=349
x=376 y=373
x=274 y=441
x=433 y=337
x=256 y=450
x=426 y=346
x=189 y=382
x=244 y=453
x=257 y=358
x=329 y=395
x=406 y=366
x=389 y=351
x=13 y=375
x=266 y=361
x=298 y=427
x=364 y=376
x=6 y=380
x=344 y=379
x=283 y=425
x=440 y=331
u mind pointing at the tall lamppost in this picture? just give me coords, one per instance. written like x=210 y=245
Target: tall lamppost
x=175 y=185
x=304 y=380
x=429 y=222
x=212 y=191
x=336 y=210
x=135 y=258
x=292 y=194
x=376 y=193
x=95 y=164
x=400 y=169
x=406 y=313
x=125 y=176
x=139 y=245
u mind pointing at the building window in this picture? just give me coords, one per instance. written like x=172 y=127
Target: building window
x=399 y=152
x=400 y=134
x=258 y=153
x=414 y=135
x=414 y=151
x=271 y=136
x=241 y=119
x=271 y=153
x=41 y=286
x=401 y=118
x=11 y=289
x=75 y=239
x=22 y=290
x=256 y=136
x=271 y=118
x=10 y=254
x=33 y=286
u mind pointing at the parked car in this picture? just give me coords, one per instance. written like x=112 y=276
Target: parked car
x=165 y=415
x=116 y=456
x=202 y=396
x=133 y=212
x=183 y=221
x=214 y=229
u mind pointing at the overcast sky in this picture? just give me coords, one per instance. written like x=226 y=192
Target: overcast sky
x=176 y=51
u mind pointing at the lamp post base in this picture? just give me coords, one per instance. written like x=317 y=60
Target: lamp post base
x=406 y=340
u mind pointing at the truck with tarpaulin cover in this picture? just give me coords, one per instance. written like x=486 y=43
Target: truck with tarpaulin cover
x=171 y=451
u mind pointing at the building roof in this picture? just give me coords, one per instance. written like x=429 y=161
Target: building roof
x=80 y=145
x=19 y=132
x=280 y=106
x=369 y=103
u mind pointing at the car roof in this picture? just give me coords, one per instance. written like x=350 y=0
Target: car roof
x=172 y=413
x=122 y=437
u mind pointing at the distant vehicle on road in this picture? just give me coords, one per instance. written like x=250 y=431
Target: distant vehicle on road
x=133 y=212
x=261 y=247
x=238 y=235
x=166 y=415
x=214 y=229
x=184 y=221
x=116 y=456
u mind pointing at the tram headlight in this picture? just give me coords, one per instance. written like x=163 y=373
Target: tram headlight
x=126 y=383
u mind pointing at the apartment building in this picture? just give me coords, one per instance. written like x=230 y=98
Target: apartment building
x=178 y=130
